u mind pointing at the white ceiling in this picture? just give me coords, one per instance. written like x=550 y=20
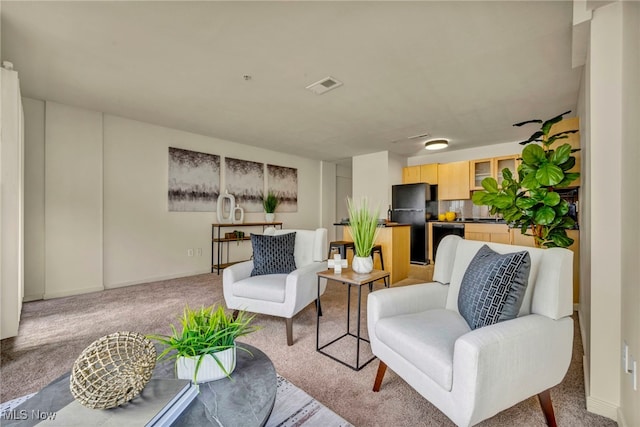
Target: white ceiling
x=460 y=70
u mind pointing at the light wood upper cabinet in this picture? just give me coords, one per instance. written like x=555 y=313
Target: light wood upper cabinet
x=429 y=173
x=411 y=175
x=573 y=139
x=421 y=173
x=453 y=181
x=483 y=168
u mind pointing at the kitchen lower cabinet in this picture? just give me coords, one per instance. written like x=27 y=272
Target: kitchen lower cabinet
x=496 y=233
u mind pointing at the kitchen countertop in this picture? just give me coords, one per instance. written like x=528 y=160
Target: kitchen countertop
x=484 y=221
x=386 y=225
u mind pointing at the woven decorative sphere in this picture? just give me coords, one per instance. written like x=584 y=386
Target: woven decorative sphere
x=112 y=370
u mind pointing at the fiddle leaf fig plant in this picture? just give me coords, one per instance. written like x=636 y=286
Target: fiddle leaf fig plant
x=529 y=201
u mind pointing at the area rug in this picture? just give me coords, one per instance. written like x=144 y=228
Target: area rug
x=293 y=407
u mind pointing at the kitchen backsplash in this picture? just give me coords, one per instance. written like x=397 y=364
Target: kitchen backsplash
x=464 y=209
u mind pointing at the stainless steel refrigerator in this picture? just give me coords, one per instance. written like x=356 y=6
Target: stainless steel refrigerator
x=414 y=204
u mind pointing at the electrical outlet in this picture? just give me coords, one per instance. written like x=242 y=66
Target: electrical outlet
x=199 y=252
x=625 y=357
x=189 y=252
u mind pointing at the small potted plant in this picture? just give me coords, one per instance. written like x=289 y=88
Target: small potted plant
x=270 y=203
x=364 y=230
x=205 y=349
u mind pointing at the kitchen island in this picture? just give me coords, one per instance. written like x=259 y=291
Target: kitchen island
x=395 y=240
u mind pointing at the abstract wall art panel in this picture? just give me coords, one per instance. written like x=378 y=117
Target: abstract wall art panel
x=284 y=182
x=194 y=181
x=245 y=180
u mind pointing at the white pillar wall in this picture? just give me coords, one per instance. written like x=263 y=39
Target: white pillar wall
x=605 y=144
x=11 y=203
x=73 y=199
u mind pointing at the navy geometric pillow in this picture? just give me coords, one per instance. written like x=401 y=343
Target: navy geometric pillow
x=493 y=287
x=273 y=254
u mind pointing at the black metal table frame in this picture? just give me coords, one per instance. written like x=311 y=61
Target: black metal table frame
x=357 y=366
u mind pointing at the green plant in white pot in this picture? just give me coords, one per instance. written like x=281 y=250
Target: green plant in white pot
x=205 y=349
x=270 y=202
x=364 y=229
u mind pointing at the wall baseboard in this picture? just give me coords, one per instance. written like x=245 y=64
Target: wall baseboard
x=72 y=292
x=28 y=298
x=601 y=407
x=156 y=279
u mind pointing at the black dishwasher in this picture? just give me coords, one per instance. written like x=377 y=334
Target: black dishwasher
x=441 y=229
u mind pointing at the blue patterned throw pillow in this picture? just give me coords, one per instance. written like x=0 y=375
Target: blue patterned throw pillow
x=273 y=254
x=493 y=287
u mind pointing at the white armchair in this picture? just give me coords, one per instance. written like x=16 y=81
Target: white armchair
x=282 y=295
x=471 y=375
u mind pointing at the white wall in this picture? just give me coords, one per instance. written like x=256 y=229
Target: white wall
x=73 y=201
x=34 y=199
x=448 y=155
x=371 y=180
x=122 y=186
x=605 y=141
x=396 y=163
x=630 y=291
x=329 y=178
x=11 y=203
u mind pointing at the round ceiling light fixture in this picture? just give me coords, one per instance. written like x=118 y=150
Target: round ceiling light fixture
x=436 y=144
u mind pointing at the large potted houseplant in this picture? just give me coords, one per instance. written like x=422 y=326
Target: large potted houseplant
x=529 y=201
x=364 y=229
x=270 y=203
x=205 y=349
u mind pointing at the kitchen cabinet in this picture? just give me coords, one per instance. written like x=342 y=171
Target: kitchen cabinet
x=411 y=175
x=572 y=139
x=496 y=233
x=453 y=181
x=429 y=173
x=517 y=238
x=395 y=241
x=484 y=168
x=421 y=173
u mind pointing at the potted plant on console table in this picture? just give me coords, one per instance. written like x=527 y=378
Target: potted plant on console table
x=205 y=349
x=270 y=203
x=529 y=201
x=364 y=230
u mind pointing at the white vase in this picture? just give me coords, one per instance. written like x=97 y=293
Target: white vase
x=209 y=369
x=238 y=215
x=269 y=217
x=362 y=265
x=226 y=205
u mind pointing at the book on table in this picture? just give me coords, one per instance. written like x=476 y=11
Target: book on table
x=158 y=405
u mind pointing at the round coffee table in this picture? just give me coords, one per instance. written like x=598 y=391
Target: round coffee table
x=245 y=399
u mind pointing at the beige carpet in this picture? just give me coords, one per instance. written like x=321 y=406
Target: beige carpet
x=54 y=332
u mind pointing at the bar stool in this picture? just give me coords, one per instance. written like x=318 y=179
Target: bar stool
x=341 y=246
x=377 y=249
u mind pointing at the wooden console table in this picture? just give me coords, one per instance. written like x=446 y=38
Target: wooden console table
x=218 y=240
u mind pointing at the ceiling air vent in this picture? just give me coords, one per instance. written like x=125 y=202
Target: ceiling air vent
x=324 y=85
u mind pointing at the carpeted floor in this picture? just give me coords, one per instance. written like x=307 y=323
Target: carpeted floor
x=54 y=332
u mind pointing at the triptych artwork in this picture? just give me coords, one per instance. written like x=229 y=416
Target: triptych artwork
x=194 y=182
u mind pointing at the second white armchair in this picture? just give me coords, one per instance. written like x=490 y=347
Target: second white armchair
x=282 y=295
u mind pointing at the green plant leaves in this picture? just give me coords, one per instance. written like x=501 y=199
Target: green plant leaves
x=549 y=174
x=533 y=154
x=560 y=154
x=544 y=216
x=530 y=182
x=551 y=198
x=363 y=225
x=490 y=184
